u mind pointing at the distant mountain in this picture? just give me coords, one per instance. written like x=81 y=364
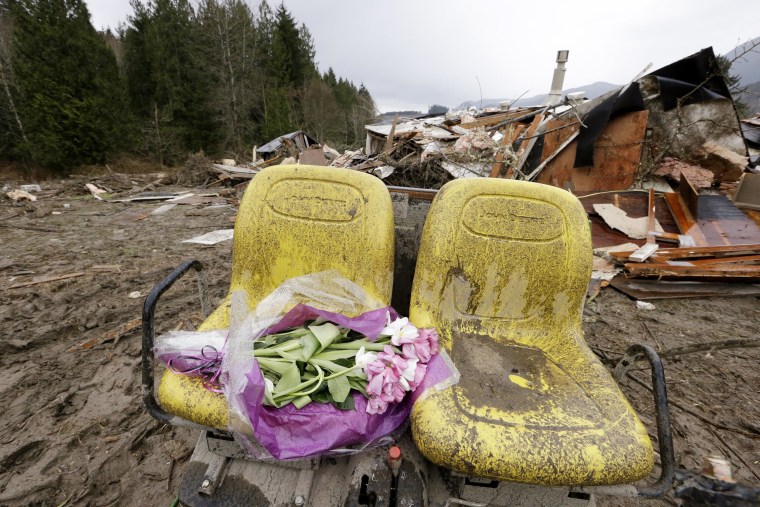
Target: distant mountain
x=747 y=64
x=592 y=90
x=751 y=97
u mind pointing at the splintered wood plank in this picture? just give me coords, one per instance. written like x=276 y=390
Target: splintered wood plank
x=650 y=218
x=683 y=217
x=644 y=252
x=724 y=252
x=716 y=271
x=739 y=259
x=494 y=119
x=510 y=135
x=616 y=156
x=690 y=195
x=391 y=135
x=526 y=145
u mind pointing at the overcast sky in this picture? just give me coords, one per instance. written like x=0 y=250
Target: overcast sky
x=414 y=53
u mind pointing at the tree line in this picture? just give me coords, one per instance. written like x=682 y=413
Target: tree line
x=218 y=77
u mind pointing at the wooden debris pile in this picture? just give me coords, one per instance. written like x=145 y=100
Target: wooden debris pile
x=731 y=262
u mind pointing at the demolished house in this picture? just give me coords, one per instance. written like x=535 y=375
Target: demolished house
x=674 y=130
x=288 y=145
x=657 y=163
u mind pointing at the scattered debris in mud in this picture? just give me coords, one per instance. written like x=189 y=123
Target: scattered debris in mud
x=74 y=429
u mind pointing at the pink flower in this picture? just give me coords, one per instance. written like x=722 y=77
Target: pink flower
x=423 y=346
x=394 y=361
x=376 y=406
x=419 y=374
x=384 y=376
x=400 y=331
x=379 y=376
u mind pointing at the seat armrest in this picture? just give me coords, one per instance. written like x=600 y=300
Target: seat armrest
x=664 y=436
x=148 y=330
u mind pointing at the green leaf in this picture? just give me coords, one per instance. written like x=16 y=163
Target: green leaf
x=358 y=385
x=326 y=333
x=279 y=349
x=313 y=384
x=333 y=355
x=356 y=345
x=310 y=345
x=321 y=397
x=357 y=374
x=278 y=366
x=301 y=401
x=327 y=365
x=290 y=378
x=347 y=404
x=339 y=388
x=291 y=355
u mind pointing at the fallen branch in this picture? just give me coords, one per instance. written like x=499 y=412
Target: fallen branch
x=710 y=346
x=691 y=412
x=28 y=228
x=47 y=279
x=111 y=335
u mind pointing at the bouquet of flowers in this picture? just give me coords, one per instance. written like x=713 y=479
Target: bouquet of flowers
x=304 y=380
x=323 y=362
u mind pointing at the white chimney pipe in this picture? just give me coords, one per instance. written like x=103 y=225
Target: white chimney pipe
x=555 y=95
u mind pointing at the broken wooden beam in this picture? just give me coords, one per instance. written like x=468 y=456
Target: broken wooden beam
x=681 y=239
x=684 y=218
x=510 y=135
x=391 y=135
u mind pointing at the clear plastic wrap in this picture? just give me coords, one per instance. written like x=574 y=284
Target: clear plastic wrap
x=290 y=432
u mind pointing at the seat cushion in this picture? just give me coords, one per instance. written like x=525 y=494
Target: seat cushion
x=292 y=221
x=517 y=415
x=501 y=273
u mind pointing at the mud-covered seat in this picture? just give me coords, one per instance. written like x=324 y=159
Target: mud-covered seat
x=295 y=220
x=502 y=273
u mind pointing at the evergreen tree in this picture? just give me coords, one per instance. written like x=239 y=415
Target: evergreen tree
x=216 y=78
x=228 y=50
x=437 y=109
x=169 y=84
x=289 y=61
x=11 y=126
x=71 y=100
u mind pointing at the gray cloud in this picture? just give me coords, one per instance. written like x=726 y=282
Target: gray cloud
x=411 y=54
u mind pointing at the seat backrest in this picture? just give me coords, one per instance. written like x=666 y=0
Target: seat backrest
x=295 y=220
x=506 y=259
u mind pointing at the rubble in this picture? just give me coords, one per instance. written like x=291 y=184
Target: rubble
x=286 y=145
x=673 y=167
x=673 y=126
x=21 y=195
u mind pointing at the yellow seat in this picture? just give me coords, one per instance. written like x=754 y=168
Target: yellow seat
x=502 y=273
x=295 y=220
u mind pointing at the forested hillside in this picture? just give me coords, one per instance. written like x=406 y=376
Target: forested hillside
x=176 y=79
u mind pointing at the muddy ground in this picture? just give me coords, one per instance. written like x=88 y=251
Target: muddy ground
x=74 y=431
